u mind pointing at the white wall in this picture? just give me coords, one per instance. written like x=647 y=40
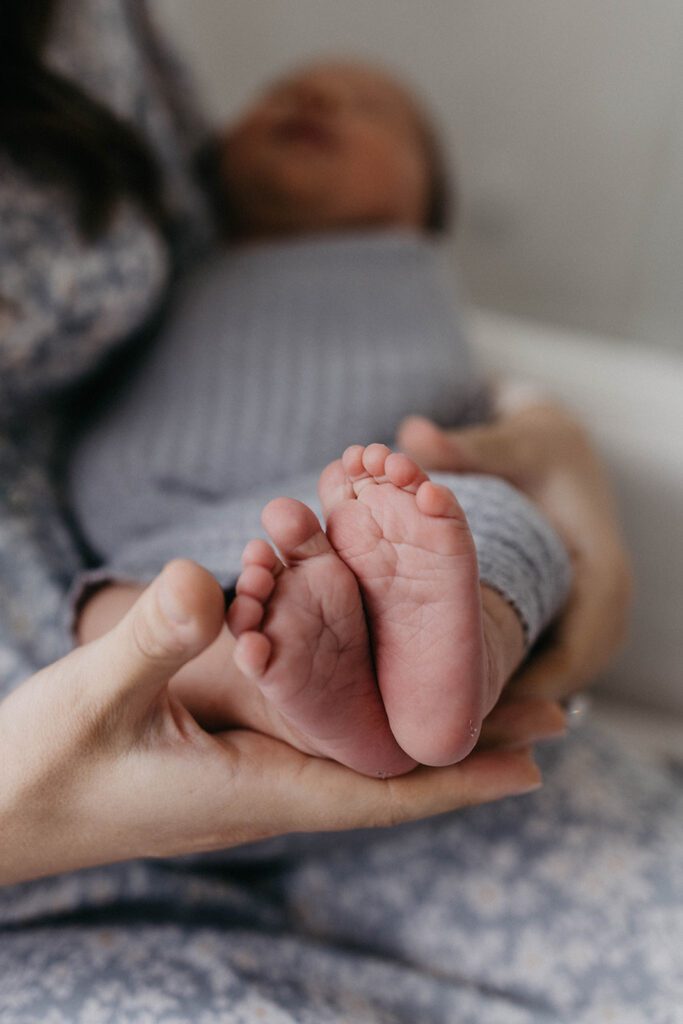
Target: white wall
x=565 y=117
x=630 y=400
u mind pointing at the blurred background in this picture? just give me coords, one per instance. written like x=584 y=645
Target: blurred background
x=564 y=120
x=565 y=123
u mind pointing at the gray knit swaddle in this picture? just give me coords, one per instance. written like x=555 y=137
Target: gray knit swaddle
x=277 y=356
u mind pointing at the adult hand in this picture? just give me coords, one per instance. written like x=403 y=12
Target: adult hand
x=102 y=763
x=543 y=451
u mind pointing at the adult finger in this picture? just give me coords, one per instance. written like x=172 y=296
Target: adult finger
x=480 y=778
x=311 y=794
x=519 y=722
x=494 y=449
x=428 y=444
x=582 y=642
x=241 y=786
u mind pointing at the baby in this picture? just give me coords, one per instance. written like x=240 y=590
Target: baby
x=385 y=638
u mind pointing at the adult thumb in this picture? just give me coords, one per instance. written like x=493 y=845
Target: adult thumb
x=179 y=614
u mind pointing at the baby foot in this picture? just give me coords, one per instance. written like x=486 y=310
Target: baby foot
x=408 y=544
x=302 y=637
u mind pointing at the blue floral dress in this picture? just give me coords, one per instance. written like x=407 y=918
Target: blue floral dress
x=563 y=906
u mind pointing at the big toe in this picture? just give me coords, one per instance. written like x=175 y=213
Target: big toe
x=294 y=529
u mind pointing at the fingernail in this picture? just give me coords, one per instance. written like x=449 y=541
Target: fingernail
x=556 y=734
x=171 y=605
x=530 y=788
x=535 y=782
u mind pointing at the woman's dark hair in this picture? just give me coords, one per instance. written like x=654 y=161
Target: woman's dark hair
x=54 y=130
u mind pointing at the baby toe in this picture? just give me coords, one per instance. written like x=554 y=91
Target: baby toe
x=251 y=654
x=295 y=529
x=256 y=581
x=403 y=472
x=352 y=461
x=334 y=486
x=259 y=552
x=375 y=457
x=245 y=613
x=436 y=500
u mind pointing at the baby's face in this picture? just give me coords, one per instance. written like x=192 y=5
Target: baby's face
x=334 y=146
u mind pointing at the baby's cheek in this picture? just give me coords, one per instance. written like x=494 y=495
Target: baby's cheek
x=376 y=176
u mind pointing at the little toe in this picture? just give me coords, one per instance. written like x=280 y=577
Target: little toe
x=334 y=486
x=245 y=613
x=251 y=654
x=401 y=471
x=374 y=459
x=259 y=552
x=255 y=581
x=295 y=529
x=436 y=500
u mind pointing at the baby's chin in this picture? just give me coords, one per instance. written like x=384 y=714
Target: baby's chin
x=273 y=231
x=291 y=220
x=286 y=199
x=289 y=214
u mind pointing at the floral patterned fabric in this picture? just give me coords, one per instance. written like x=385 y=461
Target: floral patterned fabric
x=65 y=306
x=564 y=906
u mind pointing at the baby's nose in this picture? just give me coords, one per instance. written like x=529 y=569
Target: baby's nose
x=319 y=100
